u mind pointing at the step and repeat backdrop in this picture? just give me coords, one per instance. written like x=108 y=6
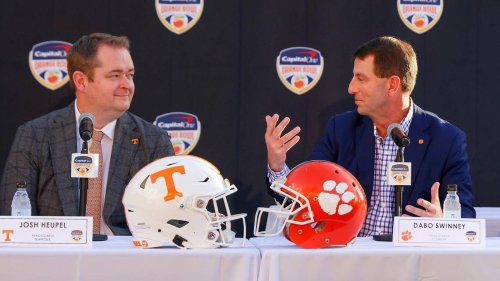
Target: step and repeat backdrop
x=208 y=71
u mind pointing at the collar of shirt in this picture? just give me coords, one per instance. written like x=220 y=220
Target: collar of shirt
x=108 y=130
x=405 y=123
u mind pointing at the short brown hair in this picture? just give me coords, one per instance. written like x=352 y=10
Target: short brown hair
x=82 y=56
x=392 y=56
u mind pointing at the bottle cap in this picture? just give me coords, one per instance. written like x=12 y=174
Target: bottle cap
x=452 y=187
x=21 y=184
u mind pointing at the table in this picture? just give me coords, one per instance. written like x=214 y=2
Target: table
x=371 y=260
x=492 y=218
x=118 y=259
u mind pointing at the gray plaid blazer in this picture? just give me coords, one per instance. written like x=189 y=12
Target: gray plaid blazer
x=41 y=156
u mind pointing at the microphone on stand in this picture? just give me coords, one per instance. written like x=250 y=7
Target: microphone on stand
x=86 y=126
x=86 y=129
x=397 y=134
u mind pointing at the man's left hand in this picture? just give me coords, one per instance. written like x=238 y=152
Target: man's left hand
x=431 y=209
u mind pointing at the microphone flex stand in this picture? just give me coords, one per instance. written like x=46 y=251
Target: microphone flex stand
x=398 y=205
x=84 y=186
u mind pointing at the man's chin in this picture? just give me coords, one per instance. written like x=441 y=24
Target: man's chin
x=121 y=108
x=360 y=111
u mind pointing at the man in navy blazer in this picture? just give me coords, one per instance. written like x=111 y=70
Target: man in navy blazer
x=384 y=75
x=101 y=72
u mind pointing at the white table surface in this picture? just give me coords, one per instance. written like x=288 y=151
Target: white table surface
x=371 y=260
x=118 y=259
x=492 y=218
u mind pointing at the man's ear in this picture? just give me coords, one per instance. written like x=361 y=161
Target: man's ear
x=394 y=83
x=81 y=80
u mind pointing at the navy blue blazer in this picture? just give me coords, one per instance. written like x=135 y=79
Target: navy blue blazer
x=437 y=153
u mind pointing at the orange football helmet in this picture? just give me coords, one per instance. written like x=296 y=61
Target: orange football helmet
x=324 y=205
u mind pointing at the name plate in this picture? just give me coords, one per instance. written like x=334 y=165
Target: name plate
x=440 y=232
x=46 y=231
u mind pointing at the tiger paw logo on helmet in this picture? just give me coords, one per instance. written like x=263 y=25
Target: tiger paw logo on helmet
x=323 y=205
x=329 y=201
x=181 y=201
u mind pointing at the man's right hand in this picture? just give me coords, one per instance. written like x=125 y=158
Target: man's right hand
x=277 y=145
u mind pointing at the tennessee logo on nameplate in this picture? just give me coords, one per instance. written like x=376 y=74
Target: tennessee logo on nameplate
x=184 y=130
x=299 y=68
x=420 y=15
x=179 y=16
x=48 y=65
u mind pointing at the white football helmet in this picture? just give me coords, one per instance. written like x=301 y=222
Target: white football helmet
x=180 y=200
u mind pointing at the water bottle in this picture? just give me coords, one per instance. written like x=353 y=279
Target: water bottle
x=451 y=206
x=21 y=205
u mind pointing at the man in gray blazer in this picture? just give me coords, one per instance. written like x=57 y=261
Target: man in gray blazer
x=101 y=72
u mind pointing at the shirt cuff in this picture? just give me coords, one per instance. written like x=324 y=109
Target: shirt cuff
x=273 y=176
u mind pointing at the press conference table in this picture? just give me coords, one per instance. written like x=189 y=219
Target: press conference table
x=367 y=259
x=117 y=259
x=263 y=258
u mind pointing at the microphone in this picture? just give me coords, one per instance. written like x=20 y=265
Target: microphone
x=398 y=135
x=86 y=126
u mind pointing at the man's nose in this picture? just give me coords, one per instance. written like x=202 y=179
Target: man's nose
x=126 y=82
x=352 y=87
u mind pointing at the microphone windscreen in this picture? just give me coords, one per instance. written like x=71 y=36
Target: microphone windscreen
x=397 y=134
x=86 y=115
x=392 y=127
x=86 y=125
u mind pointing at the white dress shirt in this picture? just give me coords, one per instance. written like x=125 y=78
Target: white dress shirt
x=106 y=146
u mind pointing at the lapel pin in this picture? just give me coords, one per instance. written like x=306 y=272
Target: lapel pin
x=420 y=141
x=135 y=140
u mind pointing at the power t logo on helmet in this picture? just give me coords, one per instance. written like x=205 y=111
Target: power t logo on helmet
x=167 y=175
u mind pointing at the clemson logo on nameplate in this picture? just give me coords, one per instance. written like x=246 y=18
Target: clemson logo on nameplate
x=299 y=68
x=184 y=130
x=179 y=16
x=420 y=15
x=47 y=62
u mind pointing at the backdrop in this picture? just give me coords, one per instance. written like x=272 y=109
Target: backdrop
x=223 y=70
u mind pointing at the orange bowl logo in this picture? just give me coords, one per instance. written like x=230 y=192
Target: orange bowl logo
x=179 y=16
x=299 y=68
x=420 y=15
x=82 y=165
x=47 y=62
x=184 y=130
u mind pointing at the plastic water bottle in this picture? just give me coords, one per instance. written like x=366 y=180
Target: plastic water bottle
x=451 y=206
x=21 y=205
